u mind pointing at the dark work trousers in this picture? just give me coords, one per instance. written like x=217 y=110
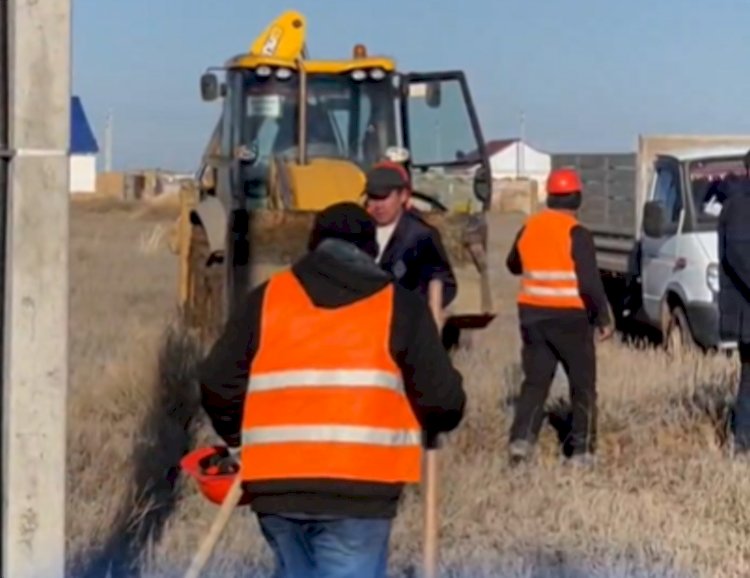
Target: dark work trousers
x=569 y=341
x=742 y=405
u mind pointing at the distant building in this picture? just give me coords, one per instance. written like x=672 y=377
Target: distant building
x=511 y=159
x=83 y=150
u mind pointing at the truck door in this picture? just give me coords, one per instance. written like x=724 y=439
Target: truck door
x=442 y=132
x=659 y=255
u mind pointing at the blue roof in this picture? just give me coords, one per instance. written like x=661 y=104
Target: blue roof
x=82 y=139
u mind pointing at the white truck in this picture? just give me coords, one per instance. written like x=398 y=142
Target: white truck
x=653 y=215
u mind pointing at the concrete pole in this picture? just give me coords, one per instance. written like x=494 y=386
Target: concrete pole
x=35 y=368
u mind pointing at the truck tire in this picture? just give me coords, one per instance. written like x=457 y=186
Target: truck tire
x=204 y=308
x=677 y=336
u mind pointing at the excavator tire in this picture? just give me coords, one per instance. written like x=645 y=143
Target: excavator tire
x=204 y=308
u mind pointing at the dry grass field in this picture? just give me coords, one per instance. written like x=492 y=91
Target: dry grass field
x=663 y=501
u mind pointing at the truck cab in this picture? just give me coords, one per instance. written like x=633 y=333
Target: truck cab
x=653 y=214
x=678 y=248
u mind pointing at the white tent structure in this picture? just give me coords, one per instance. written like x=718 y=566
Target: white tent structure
x=513 y=158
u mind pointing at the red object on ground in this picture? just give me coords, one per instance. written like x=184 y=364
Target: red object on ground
x=213 y=485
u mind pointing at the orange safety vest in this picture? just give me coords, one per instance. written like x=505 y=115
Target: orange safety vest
x=549 y=275
x=325 y=397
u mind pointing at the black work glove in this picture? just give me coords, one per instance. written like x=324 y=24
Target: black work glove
x=430 y=440
x=221 y=463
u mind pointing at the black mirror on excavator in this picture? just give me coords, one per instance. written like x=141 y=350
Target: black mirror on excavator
x=433 y=96
x=482 y=184
x=209 y=87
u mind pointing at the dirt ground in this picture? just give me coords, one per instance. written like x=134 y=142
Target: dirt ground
x=664 y=499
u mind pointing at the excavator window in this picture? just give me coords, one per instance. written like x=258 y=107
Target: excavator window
x=346 y=118
x=447 y=154
x=361 y=113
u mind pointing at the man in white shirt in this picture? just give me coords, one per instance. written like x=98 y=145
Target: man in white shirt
x=409 y=248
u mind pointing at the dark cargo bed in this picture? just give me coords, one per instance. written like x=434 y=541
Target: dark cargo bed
x=608 y=209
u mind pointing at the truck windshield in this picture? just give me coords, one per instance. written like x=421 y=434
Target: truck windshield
x=346 y=118
x=710 y=180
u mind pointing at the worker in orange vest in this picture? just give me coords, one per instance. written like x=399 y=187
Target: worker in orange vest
x=327 y=385
x=560 y=302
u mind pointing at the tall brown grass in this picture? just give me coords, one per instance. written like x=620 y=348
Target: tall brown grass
x=664 y=500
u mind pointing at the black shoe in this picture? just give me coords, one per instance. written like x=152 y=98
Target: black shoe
x=520 y=451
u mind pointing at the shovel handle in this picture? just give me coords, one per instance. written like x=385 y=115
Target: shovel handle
x=435 y=301
x=214 y=532
x=430 y=543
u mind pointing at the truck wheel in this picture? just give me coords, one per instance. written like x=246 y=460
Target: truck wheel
x=677 y=337
x=204 y=308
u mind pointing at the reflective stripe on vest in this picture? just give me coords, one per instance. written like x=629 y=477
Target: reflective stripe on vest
x=331 y=433
x=549 y=278
x=325 y=398
x=317 y=378
x=541 y=290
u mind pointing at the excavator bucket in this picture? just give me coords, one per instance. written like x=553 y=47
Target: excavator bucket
x=277 y=238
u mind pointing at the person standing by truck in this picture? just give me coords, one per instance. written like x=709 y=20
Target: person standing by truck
x=560 y=300
x=734 y=294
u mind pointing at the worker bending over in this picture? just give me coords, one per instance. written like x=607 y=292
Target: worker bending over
x=346 y=373
x=560 y=298
x=410 y=249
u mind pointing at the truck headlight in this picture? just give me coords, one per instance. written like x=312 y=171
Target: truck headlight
x=712 y=277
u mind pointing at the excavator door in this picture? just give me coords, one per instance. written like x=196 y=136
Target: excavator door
x=441 y=130
x=452 y=183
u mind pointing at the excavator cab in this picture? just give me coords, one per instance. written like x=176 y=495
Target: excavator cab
x=296 y=135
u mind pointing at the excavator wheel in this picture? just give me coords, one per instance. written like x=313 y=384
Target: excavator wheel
x=204 y=307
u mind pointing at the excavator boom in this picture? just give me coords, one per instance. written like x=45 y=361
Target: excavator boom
x=284 y=38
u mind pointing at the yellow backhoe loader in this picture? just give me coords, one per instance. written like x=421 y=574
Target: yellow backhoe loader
x=297 y=134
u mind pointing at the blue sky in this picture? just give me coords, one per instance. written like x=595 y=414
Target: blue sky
x=589 y=74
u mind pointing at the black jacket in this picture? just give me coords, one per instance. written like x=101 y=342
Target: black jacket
x=590 y=286
x=434 y=387
x=415 y=255
x=734 y=264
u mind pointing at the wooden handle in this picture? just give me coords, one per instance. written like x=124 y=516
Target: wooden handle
x=435 y=300
x=220 y=522
x=430 y=543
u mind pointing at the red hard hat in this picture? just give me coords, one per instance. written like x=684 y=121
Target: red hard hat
x=563 y=182
x=213 y=485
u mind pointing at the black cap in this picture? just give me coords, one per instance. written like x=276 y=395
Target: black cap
x=346 y=221
x=384 y=178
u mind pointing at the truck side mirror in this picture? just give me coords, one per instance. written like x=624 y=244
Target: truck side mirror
x=653 y=219
x=209 y=87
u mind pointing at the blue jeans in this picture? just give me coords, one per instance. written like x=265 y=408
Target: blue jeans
x=327 y=548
